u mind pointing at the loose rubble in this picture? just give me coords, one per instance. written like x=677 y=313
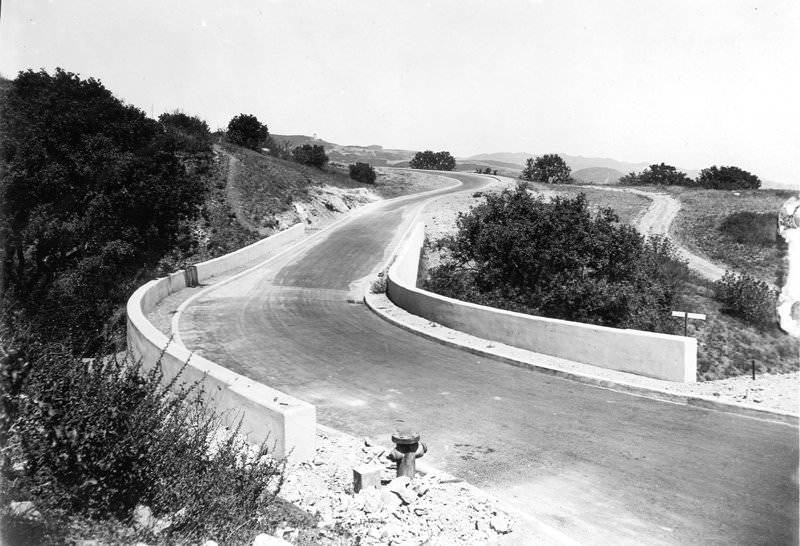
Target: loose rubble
x=431 y=509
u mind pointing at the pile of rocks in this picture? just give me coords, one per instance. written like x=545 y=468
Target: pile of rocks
x=431 y=509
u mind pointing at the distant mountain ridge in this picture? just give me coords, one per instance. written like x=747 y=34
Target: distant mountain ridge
x=596 y=170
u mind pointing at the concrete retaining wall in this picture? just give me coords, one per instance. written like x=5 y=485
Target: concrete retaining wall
x=662 y=356
x=286 y=423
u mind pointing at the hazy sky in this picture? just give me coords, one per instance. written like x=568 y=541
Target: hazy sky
x=691 y=83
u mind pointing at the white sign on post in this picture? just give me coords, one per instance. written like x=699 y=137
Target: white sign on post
x=686 y=316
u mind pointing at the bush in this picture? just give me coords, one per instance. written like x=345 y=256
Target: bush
x=245 y=130
x=362 y=172
x=438 y=161
x=728 y=178
x=547 y=169
x=751 y=228
x=190 y=132
x=313 y=155
x=657 y=175
x=747 y=297
x=97 y=437
x=558 y=259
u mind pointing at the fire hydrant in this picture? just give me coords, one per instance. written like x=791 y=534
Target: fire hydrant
x=407 y=450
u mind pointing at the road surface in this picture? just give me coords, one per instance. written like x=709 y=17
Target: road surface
x=601 y=466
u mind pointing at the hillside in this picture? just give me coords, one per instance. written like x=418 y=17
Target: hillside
x=597 y=175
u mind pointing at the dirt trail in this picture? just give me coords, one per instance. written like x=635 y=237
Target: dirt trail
x=658 y=220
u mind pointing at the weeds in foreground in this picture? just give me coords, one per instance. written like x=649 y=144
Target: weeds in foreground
x=93 y=438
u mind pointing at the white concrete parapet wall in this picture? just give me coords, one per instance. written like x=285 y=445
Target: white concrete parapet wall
x=286 y=423
x=661 y=356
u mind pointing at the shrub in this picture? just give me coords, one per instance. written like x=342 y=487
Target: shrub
x=747 y=297
x=657 y=174
x=362 y=172
x=751 y=228
x=96 y=437
x=560 y=260
x=437 y=161
x=190 y=132
x=313 y=155
x=245 y=130
x=548 y=169
x=727 y=178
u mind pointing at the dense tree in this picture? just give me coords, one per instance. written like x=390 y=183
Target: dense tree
x=190 y=132
x=313 y=155
x=548 y=168
x=436 y=161
x=558 y=259
x=245 y=130
x=362 y=172
x=91 y=192
x=728 y=178
x=660 y=175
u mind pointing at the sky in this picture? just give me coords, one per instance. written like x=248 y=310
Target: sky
x=691 y=83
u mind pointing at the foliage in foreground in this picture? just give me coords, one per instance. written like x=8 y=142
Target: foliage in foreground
x=98 y=437
x=557 y=259
x=747 y=297
x=92 y=192
x=435 y=161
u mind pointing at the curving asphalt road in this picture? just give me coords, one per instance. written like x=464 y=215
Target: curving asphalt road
x=602 y=467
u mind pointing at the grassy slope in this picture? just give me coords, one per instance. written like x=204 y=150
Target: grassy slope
x=628 y=206
x=698 y=228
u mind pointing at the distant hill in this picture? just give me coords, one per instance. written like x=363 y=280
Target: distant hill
x=597 y=175
x=575 y=162
x=375 y=155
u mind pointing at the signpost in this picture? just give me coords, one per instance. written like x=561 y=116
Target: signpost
x=686 y=316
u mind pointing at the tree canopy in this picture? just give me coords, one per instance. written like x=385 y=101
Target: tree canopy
x=728 y=178
x=362 y=172
x=436 y=161
x=661 y=174
x=91 y=192
x=308 y=154
x=245 y=130
x=559 y=259
x=548 y=168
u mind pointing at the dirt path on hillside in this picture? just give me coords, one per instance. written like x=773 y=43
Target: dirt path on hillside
x=658 y=219
x=233 y=194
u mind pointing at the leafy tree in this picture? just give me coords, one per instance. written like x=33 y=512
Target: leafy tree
x=659 y=175
x=560 y=260
x=91 y=192
x=245 y=130
x=728 y=178
x=362 y=172
x=313 y=155
x=548 y=168
x=436 y=161
x=190 y=132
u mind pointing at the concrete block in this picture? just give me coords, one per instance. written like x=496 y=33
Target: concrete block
x=366 y=475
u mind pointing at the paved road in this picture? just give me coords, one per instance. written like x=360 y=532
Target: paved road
x=601 y=466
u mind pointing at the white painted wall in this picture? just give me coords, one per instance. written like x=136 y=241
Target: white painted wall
x=662 y=356
x=286 y=423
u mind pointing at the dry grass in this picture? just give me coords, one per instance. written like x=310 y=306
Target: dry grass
x=699 y=227
x=726 y=345
x=628 y=206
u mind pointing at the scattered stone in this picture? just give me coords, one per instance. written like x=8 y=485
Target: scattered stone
x=143 y=516
x=500 y=524
x=210 y=543
x=366 y=476
x=25 y=509
x=427 y=510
